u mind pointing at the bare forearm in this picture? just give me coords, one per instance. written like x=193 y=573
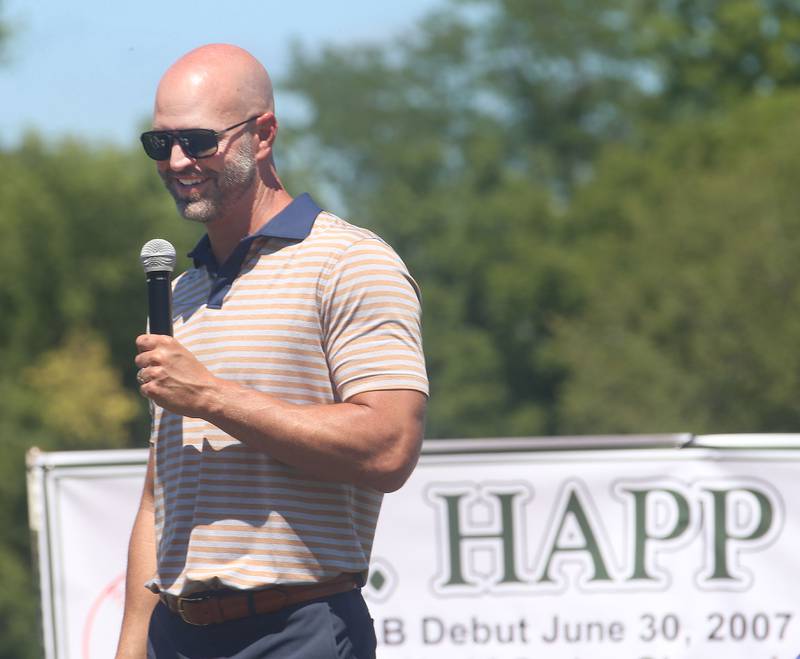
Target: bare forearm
x=139 y=601
x=363 y=441
x=373 y=439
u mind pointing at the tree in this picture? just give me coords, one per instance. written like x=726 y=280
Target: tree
x=429 y=158
x=687 y=257
x=603 y=238
x=73 y=221
x=550 y=82
x=708 y=54
x=466 y=145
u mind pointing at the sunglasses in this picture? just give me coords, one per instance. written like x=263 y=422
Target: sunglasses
x=195 y=142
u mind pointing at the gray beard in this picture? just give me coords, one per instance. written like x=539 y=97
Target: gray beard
x=230 y=184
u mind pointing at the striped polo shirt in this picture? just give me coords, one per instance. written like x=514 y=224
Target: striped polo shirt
x=311 y=310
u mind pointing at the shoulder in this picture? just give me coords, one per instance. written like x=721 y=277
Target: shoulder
x=345 y=242
x=338 y=232
x=358 y=262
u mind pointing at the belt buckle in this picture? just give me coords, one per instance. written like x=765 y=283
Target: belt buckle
x=193 y=600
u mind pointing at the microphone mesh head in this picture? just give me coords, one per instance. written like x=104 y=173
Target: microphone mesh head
x=158 y=256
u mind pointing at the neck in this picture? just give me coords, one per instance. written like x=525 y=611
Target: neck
x=226 y=232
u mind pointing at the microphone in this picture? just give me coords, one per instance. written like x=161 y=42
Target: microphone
x=158 y=261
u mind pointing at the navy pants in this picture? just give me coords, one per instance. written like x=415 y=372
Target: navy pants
x=336 y=627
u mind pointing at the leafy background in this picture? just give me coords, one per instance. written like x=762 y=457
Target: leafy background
x=597 y=197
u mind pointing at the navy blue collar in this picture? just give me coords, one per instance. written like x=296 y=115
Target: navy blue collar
x=293 y=223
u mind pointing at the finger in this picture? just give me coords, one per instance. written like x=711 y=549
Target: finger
x=144 y=342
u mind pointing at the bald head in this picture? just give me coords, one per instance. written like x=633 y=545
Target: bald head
x=212 y=86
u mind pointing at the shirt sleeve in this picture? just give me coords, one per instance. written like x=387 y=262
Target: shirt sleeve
x=371 y=322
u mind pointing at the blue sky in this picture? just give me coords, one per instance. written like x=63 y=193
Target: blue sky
x=88 y=68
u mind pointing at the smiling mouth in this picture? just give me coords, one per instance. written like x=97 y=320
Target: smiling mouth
x=189 y=182
x=188 y=188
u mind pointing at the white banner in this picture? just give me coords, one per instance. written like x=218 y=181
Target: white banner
x=675 y=553
x=82 y=506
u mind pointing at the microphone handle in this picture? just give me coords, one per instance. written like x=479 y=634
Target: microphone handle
x=159 y=302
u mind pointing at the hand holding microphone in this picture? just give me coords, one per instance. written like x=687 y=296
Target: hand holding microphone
x=158 y=260
x=169 y=374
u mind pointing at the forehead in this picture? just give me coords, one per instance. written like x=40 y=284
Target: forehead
x=188 y=115
x=189 y=103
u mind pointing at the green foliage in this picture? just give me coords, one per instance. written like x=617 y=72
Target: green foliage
x=564 y=78
x=491 y=279
x=474 y=148
x=438 y=154
x=711 y=53
x=19 y=637
x=600 y=216
x=688 y=260
x=73 y=220
x=547 y=82
x=79 y=396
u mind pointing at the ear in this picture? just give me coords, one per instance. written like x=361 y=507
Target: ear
x=266 y=129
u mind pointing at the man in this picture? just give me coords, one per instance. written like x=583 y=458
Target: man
x=290 y=398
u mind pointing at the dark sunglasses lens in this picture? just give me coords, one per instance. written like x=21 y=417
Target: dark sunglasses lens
x=157 y=145
x=198 y=143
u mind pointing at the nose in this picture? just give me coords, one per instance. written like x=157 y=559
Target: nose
x=177 y=158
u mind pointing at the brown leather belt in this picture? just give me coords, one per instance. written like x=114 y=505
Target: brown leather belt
x=223 y=605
